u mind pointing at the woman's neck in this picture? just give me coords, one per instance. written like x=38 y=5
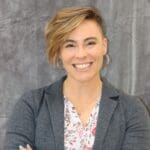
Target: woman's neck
x=82 y=90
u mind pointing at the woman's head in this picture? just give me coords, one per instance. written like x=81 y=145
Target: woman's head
x=63 y=23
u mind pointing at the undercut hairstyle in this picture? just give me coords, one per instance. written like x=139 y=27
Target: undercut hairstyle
x=63 y=23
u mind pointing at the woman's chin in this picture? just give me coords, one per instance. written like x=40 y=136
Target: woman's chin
x=84 y=78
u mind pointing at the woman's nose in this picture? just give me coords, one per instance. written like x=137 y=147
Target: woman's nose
x=81 y=52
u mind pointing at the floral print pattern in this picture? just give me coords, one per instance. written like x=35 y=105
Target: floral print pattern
x=77 y=136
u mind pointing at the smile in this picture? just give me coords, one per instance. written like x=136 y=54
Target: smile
x=82 y=66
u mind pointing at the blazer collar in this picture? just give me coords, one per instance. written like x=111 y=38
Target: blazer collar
x=55 y=101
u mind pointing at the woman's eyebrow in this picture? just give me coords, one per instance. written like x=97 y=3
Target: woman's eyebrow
x=86 y=39
x=90 y=38
x=69 y=40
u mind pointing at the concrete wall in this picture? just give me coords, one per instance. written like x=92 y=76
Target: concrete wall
x=23 y=64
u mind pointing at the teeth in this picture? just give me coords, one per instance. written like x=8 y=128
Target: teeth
x=82 y=66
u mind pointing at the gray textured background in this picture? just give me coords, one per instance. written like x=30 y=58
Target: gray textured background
x=23 y=64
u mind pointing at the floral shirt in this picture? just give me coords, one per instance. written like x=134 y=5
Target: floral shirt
x=77 y=136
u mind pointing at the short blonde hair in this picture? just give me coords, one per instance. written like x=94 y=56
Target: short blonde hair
x=64 y=22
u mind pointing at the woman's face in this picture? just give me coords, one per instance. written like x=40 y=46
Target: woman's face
x=83 y=51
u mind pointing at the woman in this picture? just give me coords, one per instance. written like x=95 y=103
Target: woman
x=81 y=111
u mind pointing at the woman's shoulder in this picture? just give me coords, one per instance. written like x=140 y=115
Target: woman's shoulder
x=133 y=107
x=35 y=97
x=37 y=94
x=127 y=103
x=130 y=102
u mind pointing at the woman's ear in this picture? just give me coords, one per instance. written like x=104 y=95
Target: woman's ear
x=59 y=54
x=59 y=60
x=105 y=45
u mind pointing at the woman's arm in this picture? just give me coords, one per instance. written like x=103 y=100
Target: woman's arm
x=21 y=124
x=137 y=135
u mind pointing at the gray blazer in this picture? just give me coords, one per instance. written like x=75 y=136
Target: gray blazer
x=38 y=119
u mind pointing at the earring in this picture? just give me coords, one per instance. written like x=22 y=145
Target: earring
x=106 y=60
x=59 y=64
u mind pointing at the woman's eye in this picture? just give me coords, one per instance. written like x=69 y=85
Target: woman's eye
x=91 y=43
x=69 y=45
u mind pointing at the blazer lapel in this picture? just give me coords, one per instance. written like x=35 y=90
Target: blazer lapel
x=108 y=104
x=55 y=102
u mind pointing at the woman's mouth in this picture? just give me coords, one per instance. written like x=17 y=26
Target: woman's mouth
x=83 y=66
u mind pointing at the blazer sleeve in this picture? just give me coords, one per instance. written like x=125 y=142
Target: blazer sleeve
x=137 y=136
x=21 y=124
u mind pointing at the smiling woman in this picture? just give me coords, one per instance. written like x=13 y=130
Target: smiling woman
x=82 y=110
